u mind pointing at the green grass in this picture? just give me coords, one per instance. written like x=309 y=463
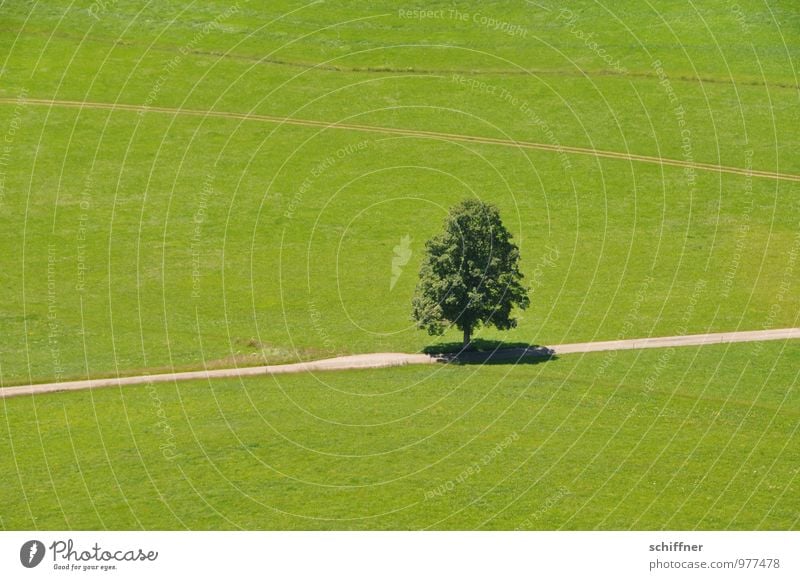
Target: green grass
x=692 y=438
x=135 y=242
x=112 y=199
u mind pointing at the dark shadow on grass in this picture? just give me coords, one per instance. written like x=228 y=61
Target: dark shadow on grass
x=490 y=352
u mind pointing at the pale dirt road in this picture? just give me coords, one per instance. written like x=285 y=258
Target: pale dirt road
x=391 y=359
x=409 y=133
x=685 y=340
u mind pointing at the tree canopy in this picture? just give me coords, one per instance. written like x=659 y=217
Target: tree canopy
x=470 y=274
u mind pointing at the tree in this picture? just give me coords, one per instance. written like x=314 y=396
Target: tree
x=470 y=274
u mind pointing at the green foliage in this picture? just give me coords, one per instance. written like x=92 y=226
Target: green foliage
x=470 y=274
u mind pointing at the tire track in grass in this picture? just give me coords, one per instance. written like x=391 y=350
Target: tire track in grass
x=413 y=133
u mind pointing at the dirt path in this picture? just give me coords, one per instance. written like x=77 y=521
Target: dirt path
x=389 y=359
x=685 y=340
x=410 y=133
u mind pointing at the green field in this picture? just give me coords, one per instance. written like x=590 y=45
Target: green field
x=183 y=230
x=714 y=444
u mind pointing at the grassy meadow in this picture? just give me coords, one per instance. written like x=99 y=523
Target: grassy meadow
x=182 y=230
x=691 y=438
x=142 y=239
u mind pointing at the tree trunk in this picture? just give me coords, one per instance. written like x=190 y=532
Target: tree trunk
x=467 y=336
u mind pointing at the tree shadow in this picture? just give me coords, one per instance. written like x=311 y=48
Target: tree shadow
x=490 y=352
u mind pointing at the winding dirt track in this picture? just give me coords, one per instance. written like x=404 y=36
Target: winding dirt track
x=388 y=359
x=410 y=133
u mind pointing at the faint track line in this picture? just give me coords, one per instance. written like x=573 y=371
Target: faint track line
x=414 y=133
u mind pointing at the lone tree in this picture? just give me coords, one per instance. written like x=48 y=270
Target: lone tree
x=470 y=274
